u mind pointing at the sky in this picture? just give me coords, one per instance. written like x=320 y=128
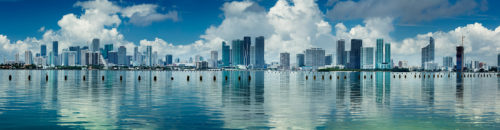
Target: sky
x=195 y=27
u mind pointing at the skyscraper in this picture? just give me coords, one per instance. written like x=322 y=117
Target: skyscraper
x=355 y=56
x=168 y=59
x=285 y=61
x=214 y=56
x=498 y=60
x=55 y=53
x=76 y=49
x=341 y=57
x=149 y=55
x=259 y=53
x=28 y=58
x=237 y=57
x=226 y=54
x=43 y=50
x=367 y=58
x=122 y=56
x=448 y=61
x=328 y=59
x=136 y=56
x=388 y=56
x=315 y=57
x=247 y=41
x=460 y=58
x=300 y=60
x=113 y=57
x=95 y=45
x=428 y=52
x=379 y=56
x=107 y=48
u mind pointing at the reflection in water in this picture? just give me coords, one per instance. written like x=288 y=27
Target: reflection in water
x=428 y=89
x=284 y=100
x=460 y=91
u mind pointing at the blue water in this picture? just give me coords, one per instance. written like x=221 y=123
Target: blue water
x=266 y=100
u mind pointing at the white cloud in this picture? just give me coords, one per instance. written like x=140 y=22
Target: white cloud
x=145 y=14
x=288 y=26
x=409 y=11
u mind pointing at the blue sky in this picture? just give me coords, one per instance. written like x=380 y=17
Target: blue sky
x=25 y=18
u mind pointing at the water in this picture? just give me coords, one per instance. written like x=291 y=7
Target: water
x=267 y=100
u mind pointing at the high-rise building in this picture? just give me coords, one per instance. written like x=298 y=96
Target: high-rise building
x=237 y=57
x=355 y=56
x=498 y=60
x=84 y=56
x=448 y=62
x=72 y=58
x=149 y=55
x=95 y=45
x=301 y=60
x=259 y=53
x=226 y=54
x=107 y=48
x=247 y=42
x=388 y=56
x=136 y=56
x=28 y=58
x=76 y=49
x=168 y=59
x=285 y=61
x=113 y=57
x=315 y=57
x=341 y=57
x=460 y=58
x=328 y=59
x=367 y=58
x=379 y=56
x=428 y=52
x=122 y=56
x=43 y=50
x=214 y=56
x=155 y=58
x=55 y=53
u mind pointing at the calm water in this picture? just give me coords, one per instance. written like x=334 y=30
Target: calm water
x=268 y=100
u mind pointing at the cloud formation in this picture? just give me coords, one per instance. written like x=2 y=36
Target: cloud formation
x=288 y=26
x=409 y=11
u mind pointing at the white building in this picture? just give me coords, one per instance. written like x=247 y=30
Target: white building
x=28 y=58
x=315 y=57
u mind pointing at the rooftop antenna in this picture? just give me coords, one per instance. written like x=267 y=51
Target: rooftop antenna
x=463 y=40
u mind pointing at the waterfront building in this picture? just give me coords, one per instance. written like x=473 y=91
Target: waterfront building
x=226 y=54
x=285 y=61
x=460 y=58
x=379 y=56
x=259 y=53
x=341 y=57
x=367 y=58
x=315 y=57
x=355 y=54
x=122 y=56
x=300 y=60
x=428 y=52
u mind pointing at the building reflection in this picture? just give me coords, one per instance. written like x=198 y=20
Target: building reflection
x=460 y=91
x=427 y=89
x=355 y=91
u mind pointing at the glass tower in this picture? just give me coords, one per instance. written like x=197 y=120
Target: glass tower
x=388 y=55
x=355 y=55
x=379 y=56
x=226 y=54
x=341 y=57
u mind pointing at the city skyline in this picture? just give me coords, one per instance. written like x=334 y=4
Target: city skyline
x=482 y=48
